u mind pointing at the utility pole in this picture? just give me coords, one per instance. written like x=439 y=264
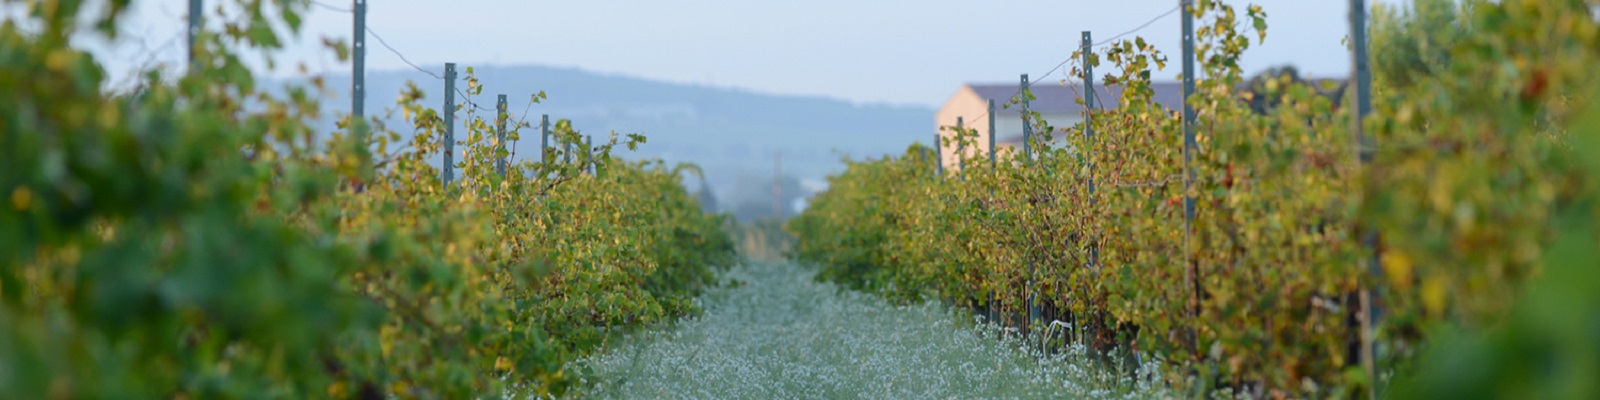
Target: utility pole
x=777 y=185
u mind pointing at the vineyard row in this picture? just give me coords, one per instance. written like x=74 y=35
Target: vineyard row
x=1469 y=177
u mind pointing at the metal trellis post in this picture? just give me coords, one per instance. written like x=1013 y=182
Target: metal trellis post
x=961 y=147
x=992 y=148
x=566 y=149
x=196 y=17
x=1027 y=128
x=1189 y=149
x=358 y=68
x=500 y=135
x=1088 y=134
x=1027 y=150
x=544 y=138
x=449 y=163
x=994 y=167
x=922 y=156
x=1363 y=99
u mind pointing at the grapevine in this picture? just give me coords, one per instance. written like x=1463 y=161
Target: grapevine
x=1472 y=167
x=197 y=238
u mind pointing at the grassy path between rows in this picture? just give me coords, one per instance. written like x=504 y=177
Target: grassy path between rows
x=783 y=335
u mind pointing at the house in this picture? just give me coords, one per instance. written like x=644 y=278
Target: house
x=1056 y=103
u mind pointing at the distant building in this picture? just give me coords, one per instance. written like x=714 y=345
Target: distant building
x=1056 y=103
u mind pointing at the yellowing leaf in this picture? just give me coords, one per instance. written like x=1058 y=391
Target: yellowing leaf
x=1398 y=267
x=21 y=198
x=337 y=390
x=1434 y=294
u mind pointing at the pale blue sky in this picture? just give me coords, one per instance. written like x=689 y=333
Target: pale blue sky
x=895 y=51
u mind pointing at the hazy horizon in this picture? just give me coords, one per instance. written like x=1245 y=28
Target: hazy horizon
x=892 y=52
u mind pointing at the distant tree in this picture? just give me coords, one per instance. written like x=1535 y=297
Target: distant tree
x=707 y=199
x=1264 y=94
x=1408 y=44
x=1411 y=44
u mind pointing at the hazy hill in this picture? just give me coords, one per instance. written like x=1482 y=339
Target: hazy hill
x=731 y=133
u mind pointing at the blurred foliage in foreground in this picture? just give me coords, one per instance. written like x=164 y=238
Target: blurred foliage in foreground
x=1549 y=347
